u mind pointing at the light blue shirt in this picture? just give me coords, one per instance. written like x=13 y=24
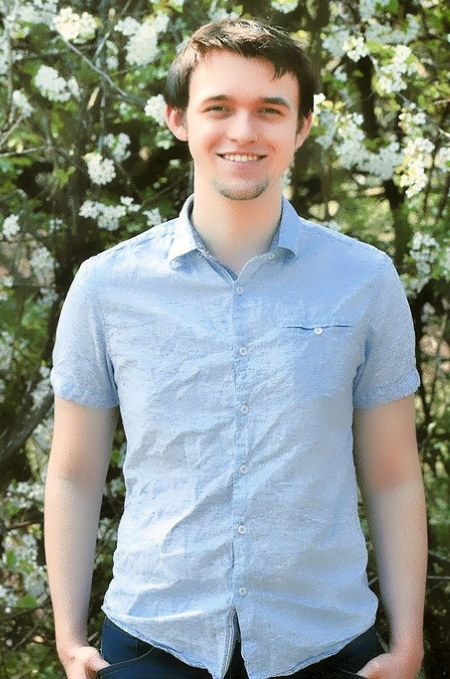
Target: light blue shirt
x=237 y=396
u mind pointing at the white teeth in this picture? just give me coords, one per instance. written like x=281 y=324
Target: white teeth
x=240 y=157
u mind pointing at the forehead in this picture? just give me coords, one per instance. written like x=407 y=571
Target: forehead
x=225 y=73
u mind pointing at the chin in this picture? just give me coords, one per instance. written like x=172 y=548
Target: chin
x=241 y=193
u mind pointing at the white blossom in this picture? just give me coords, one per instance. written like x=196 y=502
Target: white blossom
x=73 y=26
x=218 y=13
x=355 y=47
x=383 y=163
x=101 y=170
x=423 y=241
x=107 y=216
x=53 y=86
x=153 y=217
x=89 y=209
x=412 y=172
x=335 y=41
x=11 y=227
x=112 y=55
x=318 y=101
x=24 y=546
x=20 y=101
x=412 y=119
x=128 y=202
x=41 y=391
x=164 y=138
x=142 y=46
x=35 y=11
x=73 y=87
x=327 y=120
x=442 y=159
x=127 y=26
x=42 y=262
x=350 y=139
x=6 y=349
x=118 y=146
x=8 y=597
x=26 y=493
x=55 y=224
x=367 y=8
x=391 y=75
x=444 y=261
x=156 y=109
x=385 y=34
x=48 y=297
x=424 y=252
x=285 y=6
x=42 y=438
x=345 y=134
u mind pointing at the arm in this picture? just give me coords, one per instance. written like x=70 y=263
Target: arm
x=390 y=479
x=79 y=459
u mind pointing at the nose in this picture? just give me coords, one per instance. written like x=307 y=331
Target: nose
x=242 y=127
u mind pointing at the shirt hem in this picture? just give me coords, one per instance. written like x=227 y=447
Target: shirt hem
x=313 y=660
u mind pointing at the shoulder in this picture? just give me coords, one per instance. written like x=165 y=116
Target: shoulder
x=341 y=243
x=143 y=250
x=342 y=257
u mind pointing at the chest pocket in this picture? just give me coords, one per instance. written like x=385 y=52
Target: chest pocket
x=323 y=357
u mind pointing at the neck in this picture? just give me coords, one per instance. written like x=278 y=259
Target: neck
x=236 y=231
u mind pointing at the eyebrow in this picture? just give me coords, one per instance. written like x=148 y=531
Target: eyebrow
x=275 y=101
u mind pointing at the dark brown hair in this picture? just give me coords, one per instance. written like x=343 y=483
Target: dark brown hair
x=251 y=39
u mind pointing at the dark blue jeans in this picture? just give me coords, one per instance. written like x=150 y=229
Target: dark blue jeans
x=131 y=658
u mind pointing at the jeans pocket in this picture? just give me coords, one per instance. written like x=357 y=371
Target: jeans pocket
x=134 y=668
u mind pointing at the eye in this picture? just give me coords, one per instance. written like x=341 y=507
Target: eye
x=268 y=110
x=217 y=108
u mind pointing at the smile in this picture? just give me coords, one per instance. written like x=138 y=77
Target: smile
x=241 y=157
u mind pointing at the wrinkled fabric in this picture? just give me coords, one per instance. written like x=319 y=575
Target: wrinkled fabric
x=237 y=396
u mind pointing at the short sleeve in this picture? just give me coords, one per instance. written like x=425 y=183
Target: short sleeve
x=82 y=370
x=389 y=369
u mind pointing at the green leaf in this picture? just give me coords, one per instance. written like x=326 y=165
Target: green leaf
x=27 y=601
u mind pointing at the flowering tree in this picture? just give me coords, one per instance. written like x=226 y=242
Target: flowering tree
x=86 y=161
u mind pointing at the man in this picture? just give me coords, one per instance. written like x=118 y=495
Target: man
x=257 y=360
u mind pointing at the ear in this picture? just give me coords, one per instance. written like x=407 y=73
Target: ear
x=304 y=130
x=176 y=122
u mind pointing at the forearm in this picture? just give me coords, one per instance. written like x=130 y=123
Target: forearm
x=397 y=523
x=71 y=521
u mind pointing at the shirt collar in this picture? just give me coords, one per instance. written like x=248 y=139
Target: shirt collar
x=186 y=239
x=288 y=233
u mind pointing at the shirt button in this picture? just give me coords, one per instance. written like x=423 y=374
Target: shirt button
x=243 y=351
x=318 y=331
x=239 y=290
x=199 y=255
x=244 y=409
x=242 y=529
x=271 y=256
x=243 y=469
x=242 y=591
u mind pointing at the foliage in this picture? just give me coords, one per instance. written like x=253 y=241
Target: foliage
x=85 y=161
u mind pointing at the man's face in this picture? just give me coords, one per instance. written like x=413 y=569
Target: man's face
x=241 y=125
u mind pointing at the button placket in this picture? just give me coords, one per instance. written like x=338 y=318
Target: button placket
x=242 y=356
